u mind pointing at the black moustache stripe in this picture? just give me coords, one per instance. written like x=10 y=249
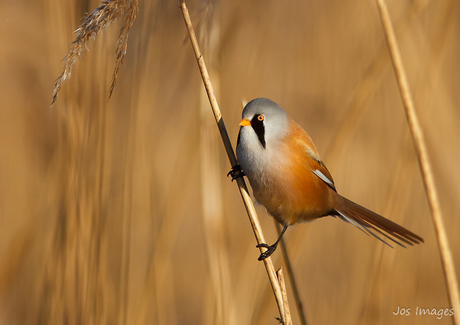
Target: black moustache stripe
x=259 y=128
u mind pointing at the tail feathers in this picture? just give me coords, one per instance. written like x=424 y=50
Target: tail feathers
x=370 y=222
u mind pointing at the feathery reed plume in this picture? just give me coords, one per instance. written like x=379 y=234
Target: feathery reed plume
x=424 y=161
x=99 y=19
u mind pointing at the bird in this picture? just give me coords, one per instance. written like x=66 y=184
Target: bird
x=291 y=181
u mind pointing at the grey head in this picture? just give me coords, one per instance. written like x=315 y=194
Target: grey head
x=269 y=122
x=263 y=126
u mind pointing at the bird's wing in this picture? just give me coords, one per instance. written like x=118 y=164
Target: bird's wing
x=305 y=144
x=325 y=176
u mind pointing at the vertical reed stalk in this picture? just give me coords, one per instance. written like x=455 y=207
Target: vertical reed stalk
x=424 y=161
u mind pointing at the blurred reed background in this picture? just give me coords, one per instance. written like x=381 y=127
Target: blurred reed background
x=119 y=211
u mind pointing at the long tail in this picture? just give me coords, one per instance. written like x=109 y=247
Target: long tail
x=370 y=222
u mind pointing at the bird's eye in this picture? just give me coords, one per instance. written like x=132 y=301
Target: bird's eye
x=260 y=118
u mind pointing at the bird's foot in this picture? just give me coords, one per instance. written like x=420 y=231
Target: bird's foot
x=235 y=172
x=268 y=252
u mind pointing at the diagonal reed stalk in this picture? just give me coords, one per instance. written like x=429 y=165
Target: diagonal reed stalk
x=223 y=304
x=231 y=156
x=287 y=312
x=290 y=270
x=424 y=161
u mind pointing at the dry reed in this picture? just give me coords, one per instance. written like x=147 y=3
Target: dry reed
x=287 y=311
x=211 y=196
x=424 y=161
x=102 y=219
x=231 y=155
x=292 y=278
x=107 y=12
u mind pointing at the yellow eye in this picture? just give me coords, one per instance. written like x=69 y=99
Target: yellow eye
x=260 y=118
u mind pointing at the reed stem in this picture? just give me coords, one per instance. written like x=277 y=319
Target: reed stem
x=290 y=271
x=231 y=156
x=423 y=159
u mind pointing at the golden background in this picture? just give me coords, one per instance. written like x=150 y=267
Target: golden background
x=120 y=212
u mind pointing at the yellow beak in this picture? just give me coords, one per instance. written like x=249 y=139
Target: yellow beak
x=245 y=122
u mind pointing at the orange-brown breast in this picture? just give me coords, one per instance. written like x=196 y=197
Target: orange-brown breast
x=300 y=195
